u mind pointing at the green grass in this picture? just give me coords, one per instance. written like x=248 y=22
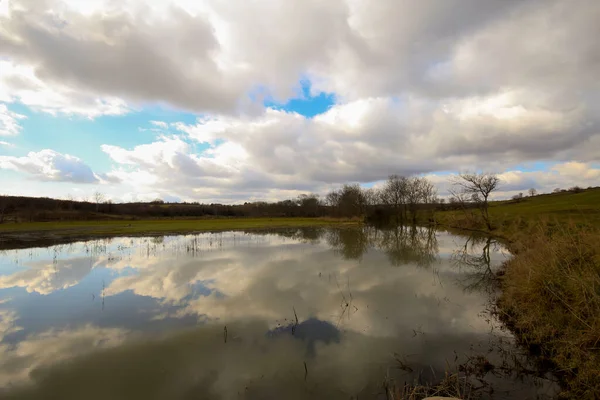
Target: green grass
x=510 y=219
x=13 y=233
x=565 y=206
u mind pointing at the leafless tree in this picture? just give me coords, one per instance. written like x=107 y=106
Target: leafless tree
x=98 y=199
x=349 y=201
x=70 y=200
x=372 y=196
x=532 y=192
x=394 y=194
x=333 y=198
x=109 y=204
x=428 y=191
x=3 y=205
x=478 y=186
x=309 y=204
x=419 y=191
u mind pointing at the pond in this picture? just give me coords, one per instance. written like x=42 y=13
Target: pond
x=297 y=313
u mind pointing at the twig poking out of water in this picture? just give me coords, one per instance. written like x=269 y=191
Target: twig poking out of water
x=401 y=364
x=305 y=371
x=225 y=333
x=296 y=323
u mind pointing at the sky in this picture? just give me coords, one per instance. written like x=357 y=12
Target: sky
x=235 y=100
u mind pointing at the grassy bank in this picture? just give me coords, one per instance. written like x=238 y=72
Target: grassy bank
x=30 y=233
x=551 y=287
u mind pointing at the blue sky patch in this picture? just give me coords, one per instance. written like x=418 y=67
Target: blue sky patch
x=305 y=104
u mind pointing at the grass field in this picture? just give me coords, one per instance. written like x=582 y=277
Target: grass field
x=551 y=286
x=578 y=207
x=510 y=218
x=22 y=234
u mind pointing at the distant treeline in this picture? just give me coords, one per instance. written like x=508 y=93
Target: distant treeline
x=400 y=198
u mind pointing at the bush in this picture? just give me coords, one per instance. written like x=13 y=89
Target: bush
x=575 y=189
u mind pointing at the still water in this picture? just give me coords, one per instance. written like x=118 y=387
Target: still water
x=301 y=313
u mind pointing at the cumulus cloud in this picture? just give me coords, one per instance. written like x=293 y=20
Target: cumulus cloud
x=49 y=165
x=210 y=56
x=21 y=83
x=360 y=141
x=170 y=166
x=421 y=86
x=366 y=139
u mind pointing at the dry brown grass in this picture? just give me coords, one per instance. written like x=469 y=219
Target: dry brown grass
x=551 y=297
x=551 y=287
x=453 y=385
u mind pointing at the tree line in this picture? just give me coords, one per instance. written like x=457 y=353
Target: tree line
x=400 y=199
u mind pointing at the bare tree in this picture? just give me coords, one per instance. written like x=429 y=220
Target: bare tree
x=309 y=204
x=419 y=190
x=372 y=197
x=109 y=205
x=394 y=194
x=532 y=192
x=352 y=200
x=70 y=200
x=333 y=199
x=3 y=206
x=428 y=191
x=98 y=199
x=478 y=186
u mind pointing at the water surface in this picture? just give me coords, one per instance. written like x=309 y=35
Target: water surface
x=296 y=313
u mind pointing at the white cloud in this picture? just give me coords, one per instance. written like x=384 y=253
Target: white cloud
x=9 y=122
x=209 y=56
x=281 y=154
x=160 y=124
x=362 y=141
x=49 y=165
x=422 y=86
x=21 y=83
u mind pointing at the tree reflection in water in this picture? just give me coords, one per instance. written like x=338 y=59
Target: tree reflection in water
x=403 y=244
x=473 y=260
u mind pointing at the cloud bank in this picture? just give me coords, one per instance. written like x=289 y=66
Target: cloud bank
x=421 y=87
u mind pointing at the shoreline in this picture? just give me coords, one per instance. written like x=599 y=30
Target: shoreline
x=40 y=234
x=548 y=292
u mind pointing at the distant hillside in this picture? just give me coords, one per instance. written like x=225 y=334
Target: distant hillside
x=580 y=205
